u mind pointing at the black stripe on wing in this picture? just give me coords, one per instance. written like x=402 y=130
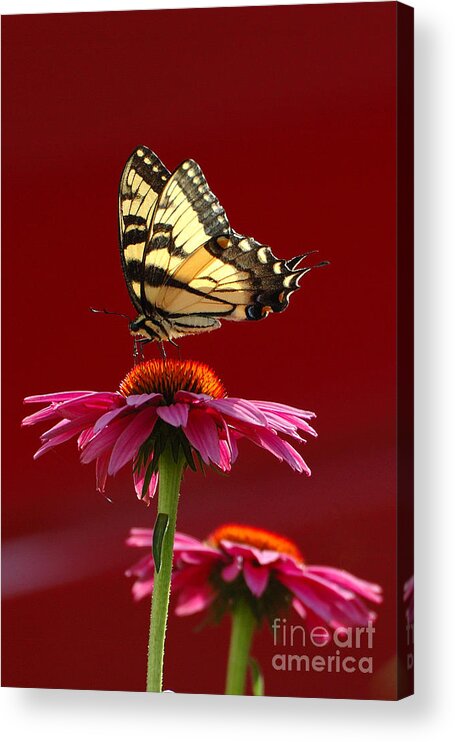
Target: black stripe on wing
x=143 y=179
x=190 y=208
x=157 y=277
x=271 y=280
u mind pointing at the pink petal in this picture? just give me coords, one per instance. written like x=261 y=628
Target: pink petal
x=281 y=449
x=138 y=479
x=340 y=577
x=84 y=438
x=142 y=589
x=48 y=413
x=239 y=409
x=202 y=433
x=47 y=446
x=60 y=433
x=192 y=600
x=193 y=576
x=230 y=572
x=72 y=405
x=197 y=555
x=225 y=456
x=337 y=607
x=91 y=404
x=310 y=599
x=107 y=418
x=297 y=605
x=233 y=438
x=130 y=440
x=283 y=409
x=190 y=557
x=140 y=537
x=102 y=463
x=288 y=424
x=73 y=427
x=185 y=545
x=191 y=397
x=104 y=440
x=54 y=397
x=143 y=568
x=256 y=578
x=324 y=585
x=175 y=414
x=137 y=400
x=182 y=539
x=265 y=556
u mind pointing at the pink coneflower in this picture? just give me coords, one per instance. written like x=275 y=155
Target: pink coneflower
x=181 y=402
x=266 y=568
x=165 y=416
x=256 y=575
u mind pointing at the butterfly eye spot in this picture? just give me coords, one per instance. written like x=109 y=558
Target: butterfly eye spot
x=253 y=311
x=224 y=242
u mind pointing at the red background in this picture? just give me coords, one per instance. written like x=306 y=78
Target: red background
x=290 y=111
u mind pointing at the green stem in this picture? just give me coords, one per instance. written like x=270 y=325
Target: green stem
x=170 y=475
x=243 y=626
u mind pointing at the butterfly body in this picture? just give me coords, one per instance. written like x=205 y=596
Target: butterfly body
x=185 y=267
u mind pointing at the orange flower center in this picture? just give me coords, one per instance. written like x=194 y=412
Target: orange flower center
x=255 y=537
x=170 y=376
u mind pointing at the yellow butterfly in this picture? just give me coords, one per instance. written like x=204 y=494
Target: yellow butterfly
x=184 y=266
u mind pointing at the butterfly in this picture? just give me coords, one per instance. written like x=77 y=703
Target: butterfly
x=185 y=267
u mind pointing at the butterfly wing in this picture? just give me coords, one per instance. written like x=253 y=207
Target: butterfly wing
x=236 y=278
x=143 y=180
x=185 y=267
x=186 y=217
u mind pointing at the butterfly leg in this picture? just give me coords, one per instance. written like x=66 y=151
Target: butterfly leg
x=163 y=351
x=138 y=351
x=135 y=352
x=176 y=345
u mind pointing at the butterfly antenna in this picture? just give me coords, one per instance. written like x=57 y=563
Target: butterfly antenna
x=107 y=311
